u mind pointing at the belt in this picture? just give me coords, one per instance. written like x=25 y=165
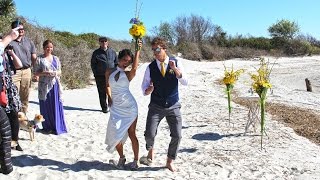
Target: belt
x=23 y=68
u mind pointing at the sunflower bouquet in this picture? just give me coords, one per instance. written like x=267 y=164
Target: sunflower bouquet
x=261 y=84
x=230 y=77
x=137 y=30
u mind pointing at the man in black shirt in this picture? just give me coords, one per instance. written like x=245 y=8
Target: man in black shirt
x=103 y=58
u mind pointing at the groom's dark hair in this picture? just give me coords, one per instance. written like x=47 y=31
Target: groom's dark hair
x=158 y=41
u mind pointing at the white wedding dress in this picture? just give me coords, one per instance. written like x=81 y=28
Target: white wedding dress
x=123 y=111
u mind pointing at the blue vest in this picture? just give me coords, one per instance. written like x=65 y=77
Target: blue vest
x=165 y=93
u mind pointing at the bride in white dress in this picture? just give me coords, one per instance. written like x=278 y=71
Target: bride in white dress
x=123 y=107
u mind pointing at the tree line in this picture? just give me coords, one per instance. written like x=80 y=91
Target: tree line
x=197 y=37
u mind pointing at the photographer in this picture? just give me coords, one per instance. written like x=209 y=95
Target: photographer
x=5 y=129
x=12 y=62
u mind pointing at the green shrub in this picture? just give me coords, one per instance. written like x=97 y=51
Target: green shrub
x=251 y=42
x=315 y=50
x=91 y=39
x=297 y=47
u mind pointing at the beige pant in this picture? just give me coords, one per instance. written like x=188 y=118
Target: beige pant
x=22 y=79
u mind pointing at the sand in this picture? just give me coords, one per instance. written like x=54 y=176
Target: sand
x=211 y=147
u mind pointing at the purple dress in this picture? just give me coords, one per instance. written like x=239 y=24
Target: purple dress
x=52 y=110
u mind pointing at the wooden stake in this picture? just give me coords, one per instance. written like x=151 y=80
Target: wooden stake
x=308 y=84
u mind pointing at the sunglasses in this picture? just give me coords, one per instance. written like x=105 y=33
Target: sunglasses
x=104 y=41
x=21 y=29
x=158 y=49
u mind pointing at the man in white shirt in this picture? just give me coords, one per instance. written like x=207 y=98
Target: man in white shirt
x=161 y=80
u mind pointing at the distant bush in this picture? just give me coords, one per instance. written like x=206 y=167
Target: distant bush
x=315 y=50
x=76 y=70
x=296 y=47
x=242 y=52
x=190 y=51
x=251 y=42
x=207 y=51
x=91 y=39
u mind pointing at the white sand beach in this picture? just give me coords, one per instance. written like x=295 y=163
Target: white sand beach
x=211 y=148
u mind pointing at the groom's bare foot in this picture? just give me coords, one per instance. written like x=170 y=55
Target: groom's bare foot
x=151 y=154
x=170 y=165
x=147 y=160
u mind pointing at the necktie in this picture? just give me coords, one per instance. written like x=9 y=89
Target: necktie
x=163 y=71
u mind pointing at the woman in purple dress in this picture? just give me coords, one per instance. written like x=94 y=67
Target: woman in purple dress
x=48 y=68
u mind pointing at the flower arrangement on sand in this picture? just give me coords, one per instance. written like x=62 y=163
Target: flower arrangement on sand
x=261 y=84
x=137 y=30
x=230 y=78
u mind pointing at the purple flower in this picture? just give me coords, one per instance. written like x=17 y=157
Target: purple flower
x=134 y=21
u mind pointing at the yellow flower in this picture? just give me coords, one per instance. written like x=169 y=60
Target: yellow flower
x=261 y=84
x=230 y=77
x=137 y=31
x=261 y=80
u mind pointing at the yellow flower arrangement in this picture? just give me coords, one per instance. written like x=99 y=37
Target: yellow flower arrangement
x=137 y=30
x=261 y=84
x=230 y=77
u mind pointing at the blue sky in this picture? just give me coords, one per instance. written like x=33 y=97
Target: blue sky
x=111 y=17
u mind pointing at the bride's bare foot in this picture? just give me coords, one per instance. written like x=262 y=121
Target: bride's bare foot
x=170 y=165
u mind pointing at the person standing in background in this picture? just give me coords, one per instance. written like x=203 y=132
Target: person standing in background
x=25 y=49
x=48 y=68
x=103 y=58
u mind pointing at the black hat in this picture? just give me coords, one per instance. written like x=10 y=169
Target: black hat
x=15 y=24
x=103 y=38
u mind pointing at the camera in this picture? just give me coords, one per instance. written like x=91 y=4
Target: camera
x=9 y=47
x=15 y=24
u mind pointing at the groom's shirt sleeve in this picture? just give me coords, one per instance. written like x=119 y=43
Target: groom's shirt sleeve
x=183 y=80
x=146 y=80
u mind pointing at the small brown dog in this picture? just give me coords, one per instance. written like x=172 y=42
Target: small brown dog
x=30 y=125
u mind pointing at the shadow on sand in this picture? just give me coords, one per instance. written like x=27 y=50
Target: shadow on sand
x=32 y=160
x=70 y=108
x=214 y=136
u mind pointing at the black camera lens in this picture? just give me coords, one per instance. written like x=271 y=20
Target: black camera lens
x=9 y=47
x=16 y=24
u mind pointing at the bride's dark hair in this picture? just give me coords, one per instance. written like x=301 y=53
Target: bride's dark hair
x=125 y=52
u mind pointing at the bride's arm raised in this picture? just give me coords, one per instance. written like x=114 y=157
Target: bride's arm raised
x=135 y=63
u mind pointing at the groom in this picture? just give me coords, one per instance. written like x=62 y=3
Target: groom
x=161 y=81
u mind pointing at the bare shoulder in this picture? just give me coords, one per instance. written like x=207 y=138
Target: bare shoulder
x=110 y=71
